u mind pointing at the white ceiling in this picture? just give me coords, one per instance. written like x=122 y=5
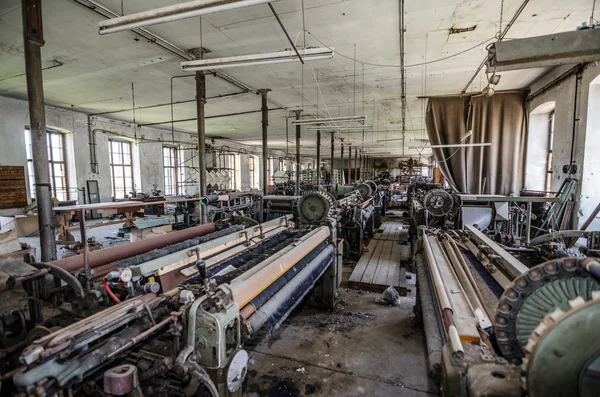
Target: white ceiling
x=98 y=71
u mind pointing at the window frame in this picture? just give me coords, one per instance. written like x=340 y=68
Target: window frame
x=252 y=171
x=173 y=187
x=64 y=190
x=122 y=165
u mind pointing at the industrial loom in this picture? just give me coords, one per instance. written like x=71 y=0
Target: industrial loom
x=175 y=323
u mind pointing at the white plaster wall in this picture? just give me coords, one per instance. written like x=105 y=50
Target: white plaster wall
x=148 y=160
x=590 y=188
x=563 y=94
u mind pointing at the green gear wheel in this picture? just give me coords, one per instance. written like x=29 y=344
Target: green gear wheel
x=535 y=294
x=563 y=352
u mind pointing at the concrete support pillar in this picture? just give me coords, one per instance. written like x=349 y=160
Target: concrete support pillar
x=318 y=159
x=33 y=40
x=298 y=131
x=265 y=124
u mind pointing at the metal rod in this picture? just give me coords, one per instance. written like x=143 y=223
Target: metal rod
x=349 y=164
x=318 y=159
x=298 y=127
x=504 y=32
x=402 y=75
x=167 y=104
x=342 y=161
x=216 y=116
x=200 y=102
x=356 y=164
x=332 y=156
x=32 y=42
x=265 y=124
x=86 y=249
x=286 y=33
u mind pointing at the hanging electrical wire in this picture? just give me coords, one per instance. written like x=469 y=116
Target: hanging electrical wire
x=398 y=66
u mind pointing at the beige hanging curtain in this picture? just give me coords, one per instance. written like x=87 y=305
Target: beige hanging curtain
x=500 y=120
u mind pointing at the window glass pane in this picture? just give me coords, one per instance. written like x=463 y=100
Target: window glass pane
x=126 y=158
x=59 y=170
x=118 y=171
x=126 y=148
x=55 y=140
x=57 y=154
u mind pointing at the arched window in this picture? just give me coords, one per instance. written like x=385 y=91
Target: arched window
x=538 y=170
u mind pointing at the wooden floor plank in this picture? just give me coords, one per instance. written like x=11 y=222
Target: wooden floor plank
x=384 y=265
x=394 y=275
x=363 y=262
x=373 y=263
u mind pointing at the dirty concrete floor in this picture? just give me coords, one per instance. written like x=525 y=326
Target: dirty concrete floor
x=361 y=348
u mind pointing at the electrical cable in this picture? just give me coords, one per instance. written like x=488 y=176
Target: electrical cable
x=405 y=66
x=110 y=293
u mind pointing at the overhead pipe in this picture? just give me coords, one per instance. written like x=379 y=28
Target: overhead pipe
x=112 y=254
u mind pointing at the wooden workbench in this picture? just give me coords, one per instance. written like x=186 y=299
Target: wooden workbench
x=127 y=208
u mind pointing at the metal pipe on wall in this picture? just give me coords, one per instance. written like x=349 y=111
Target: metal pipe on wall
x=265 y=123
x=318 y=158
x=33 y=40
x=297 y=189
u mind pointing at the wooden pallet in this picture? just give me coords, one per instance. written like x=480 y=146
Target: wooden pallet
x=380 y=267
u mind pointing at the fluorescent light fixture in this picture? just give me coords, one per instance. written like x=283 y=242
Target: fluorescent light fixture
x=340 y=129
x=358 y=119
x=175 y=12
x=311 y=54
x=452 y=145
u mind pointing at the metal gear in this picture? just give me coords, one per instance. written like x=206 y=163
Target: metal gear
x=438 y=202
x=535 y=294
x=562 y=355
x=365 y=190
x=315 y=207
x=373 y=185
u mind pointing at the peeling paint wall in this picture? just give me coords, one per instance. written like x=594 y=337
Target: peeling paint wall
x=147 y=155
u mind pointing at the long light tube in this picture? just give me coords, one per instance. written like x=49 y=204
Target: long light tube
x=359 y=119
x=451 y=145
x=175 y=12
x=311 y=54
x=340 y=129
